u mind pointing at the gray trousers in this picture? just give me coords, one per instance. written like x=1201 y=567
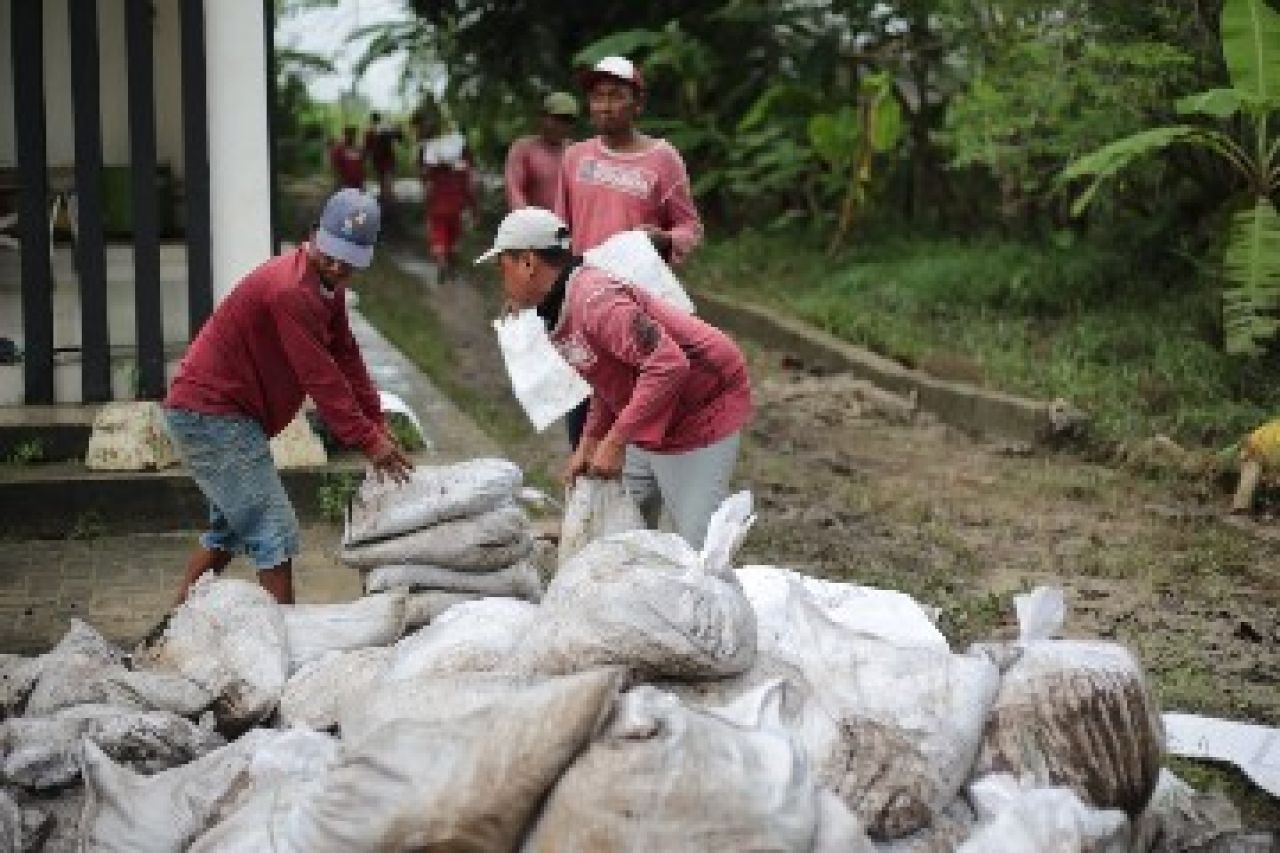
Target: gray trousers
x=690 y=486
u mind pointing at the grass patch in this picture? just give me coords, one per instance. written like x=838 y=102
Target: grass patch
x=1139 y=355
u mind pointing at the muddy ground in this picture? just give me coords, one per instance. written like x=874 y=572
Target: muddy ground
x=851 y=486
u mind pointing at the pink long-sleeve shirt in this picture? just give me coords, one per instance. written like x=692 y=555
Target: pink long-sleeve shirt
x=603 y=192
x=276 y=338
x=533 y=173
x=662 y=379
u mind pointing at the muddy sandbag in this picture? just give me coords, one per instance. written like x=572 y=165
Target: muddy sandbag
x=314 y=694
x=596 y=508
x=491 y=540
x=125 y=812
x=517 y=581
x=663 y=776
x=18 y=676
x=44 y=752
x=1179 y=818
x=1017 y=819
x=85 y=669
x=386 y=509
x=893 y=730
x=947 y=832
x=22 y=829
x=884 y=613
x=475 y=636
x=314 y=630
x=421 y=608
x=1072 y=713
x=646 y=601
x=465 y=784
x=229 y=638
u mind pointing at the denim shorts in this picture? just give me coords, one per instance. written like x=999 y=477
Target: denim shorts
x=230 y=458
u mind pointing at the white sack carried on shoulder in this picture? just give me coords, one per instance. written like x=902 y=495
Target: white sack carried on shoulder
x=1037 y=820
x=313 y=695
x=644 y=601
x=517 y=581
x=468 y=784
x=596 y=508
x=663 y=776
x=314 y=630
x=125 y=812
x=475 y=636
x=545 y=385
x=630 y=256
x=491 y=540
x=44 y=752
x=229 y=638
x=1073 y=713
x=894 y=731
x=888 y=614
x=434 y=493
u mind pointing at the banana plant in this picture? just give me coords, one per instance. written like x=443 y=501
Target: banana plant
x=848 y=140
x=1251 y=265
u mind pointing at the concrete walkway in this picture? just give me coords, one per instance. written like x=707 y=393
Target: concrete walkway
x=122 y=584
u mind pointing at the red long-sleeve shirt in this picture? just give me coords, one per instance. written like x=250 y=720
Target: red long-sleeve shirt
x=277 y=338
x=662 y=379
x=532 y=173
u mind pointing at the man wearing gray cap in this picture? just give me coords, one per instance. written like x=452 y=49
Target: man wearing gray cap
x=280 y=336
x=533 y=162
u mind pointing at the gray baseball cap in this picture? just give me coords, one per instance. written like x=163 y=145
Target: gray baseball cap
x=349 y=226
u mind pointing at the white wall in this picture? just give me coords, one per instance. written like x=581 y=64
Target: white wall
x=239 y=165
x=112 y=85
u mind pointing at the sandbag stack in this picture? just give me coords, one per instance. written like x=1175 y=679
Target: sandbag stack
x=453 y=529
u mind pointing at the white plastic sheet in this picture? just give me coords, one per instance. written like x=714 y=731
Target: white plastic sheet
x=1253 y=748
x=630 y=256
x=545 y=385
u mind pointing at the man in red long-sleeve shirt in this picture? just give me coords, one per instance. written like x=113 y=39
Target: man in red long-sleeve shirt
x=670 y=392
x=532 y=174
x=281 y=335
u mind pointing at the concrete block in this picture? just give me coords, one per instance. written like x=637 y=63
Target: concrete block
x=129 y=437
x=298 y=446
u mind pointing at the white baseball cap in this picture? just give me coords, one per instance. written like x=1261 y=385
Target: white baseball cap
x=528 y=228
x=617 y=67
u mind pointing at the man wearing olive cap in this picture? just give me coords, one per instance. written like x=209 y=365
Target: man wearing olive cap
x=280 y=336
x=533 y=162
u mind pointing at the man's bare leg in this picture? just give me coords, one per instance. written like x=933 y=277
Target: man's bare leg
x=1250 y=473
x=203 y=560
x=278 y=581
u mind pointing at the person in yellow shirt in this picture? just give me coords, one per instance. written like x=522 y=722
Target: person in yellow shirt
x=1259 y=454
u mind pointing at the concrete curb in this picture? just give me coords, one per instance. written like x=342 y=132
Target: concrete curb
x=967 y=407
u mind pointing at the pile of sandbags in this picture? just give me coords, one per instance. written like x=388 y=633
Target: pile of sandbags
x=453 y=529
x=655 y=699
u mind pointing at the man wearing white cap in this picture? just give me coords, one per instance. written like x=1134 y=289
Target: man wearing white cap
x=671 y=393
x=281 y=335
x=622 y=179
x=533 y=162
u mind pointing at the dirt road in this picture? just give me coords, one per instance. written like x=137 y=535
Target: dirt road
x=850 y=486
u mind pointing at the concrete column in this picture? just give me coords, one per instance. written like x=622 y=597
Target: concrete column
x=239 y=159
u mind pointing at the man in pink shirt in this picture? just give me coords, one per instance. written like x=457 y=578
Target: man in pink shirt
x=281 y=335
x=670 y=392
x=623 y=180
x=533 y=162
